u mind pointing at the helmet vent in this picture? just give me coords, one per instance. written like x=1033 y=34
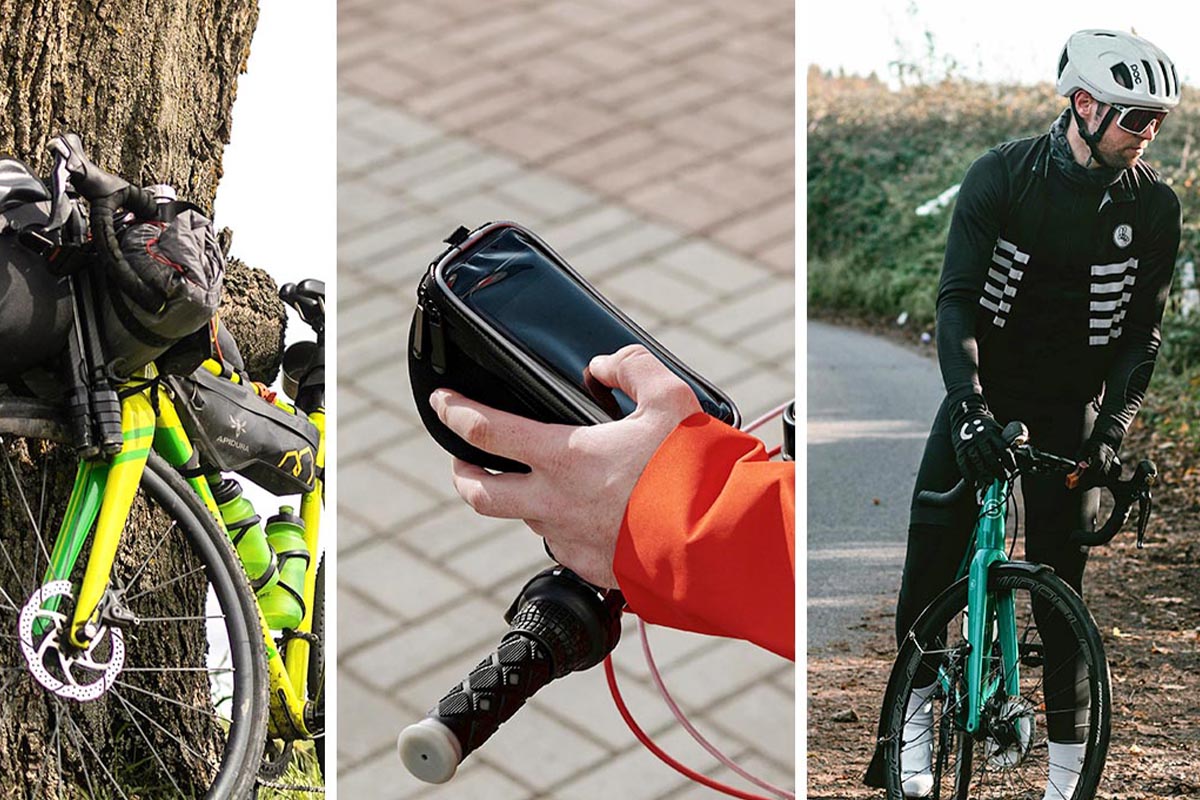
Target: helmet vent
x=1170 y=87
x=1062 y=62
x=1121 y=75
x=1150 y=76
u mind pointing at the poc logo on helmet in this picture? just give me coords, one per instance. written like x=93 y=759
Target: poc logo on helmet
x=1123 y=235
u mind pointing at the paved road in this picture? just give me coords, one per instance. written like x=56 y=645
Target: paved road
x=652 y=144
x=870 y=403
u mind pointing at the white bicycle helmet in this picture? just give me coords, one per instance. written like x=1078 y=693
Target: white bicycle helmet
x=1119 y=68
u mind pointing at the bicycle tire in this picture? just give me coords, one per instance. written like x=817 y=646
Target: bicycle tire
x=963 y=763
x=166 y=726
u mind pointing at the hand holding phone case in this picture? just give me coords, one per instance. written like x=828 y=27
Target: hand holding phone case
x=505 y=321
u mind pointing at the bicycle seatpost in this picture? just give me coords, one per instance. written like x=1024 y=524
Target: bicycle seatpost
x=558 y=624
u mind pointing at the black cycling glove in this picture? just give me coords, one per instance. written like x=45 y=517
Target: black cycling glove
x=979 y=447
x=1102 y=463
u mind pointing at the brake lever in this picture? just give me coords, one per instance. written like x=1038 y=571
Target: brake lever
x=1145 y=505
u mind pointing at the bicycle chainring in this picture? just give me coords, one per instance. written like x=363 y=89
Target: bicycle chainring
x=62 y=670
x=277 y=754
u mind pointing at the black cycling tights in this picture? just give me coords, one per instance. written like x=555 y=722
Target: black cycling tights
x=939 y=537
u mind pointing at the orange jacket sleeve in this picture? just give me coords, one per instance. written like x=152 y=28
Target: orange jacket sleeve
x=708 y=539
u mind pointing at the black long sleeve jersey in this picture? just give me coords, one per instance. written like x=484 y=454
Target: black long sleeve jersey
x=1053 y=292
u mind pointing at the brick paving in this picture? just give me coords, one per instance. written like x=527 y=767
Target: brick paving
x=651 y=143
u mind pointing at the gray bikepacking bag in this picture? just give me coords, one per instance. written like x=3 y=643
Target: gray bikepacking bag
x=236 y=430
x=178 y=256
x=35 y=308
x=175 y=257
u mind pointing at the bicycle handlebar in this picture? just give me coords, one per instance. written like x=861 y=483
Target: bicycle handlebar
x=107 y=193
x=1015 y=434
x=1124 y=494
x=557 y=625
x=1031 y=460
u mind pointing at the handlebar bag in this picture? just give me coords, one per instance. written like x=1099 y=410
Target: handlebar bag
x=178 y=255
x=237 y=430
x=504 y=320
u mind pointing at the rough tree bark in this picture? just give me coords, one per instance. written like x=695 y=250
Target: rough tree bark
x=149 y=87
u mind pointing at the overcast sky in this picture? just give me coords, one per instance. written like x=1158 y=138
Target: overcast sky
x=279 y=191
x=1018 y=40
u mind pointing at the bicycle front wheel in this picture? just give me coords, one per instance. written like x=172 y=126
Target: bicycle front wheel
x=170 y=700
x=1064 y=699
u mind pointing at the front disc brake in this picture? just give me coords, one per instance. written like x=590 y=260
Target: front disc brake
x=67 y=672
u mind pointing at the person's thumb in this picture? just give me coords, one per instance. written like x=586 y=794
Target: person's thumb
x=637 y=373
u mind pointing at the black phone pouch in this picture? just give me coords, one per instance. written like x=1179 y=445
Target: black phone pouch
x=504 y=320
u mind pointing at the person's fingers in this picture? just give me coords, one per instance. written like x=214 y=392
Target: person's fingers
x=505 y=495
x=635 y=371
x=494 y=431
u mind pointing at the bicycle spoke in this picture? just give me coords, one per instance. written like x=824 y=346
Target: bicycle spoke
x=132 y=582
x=197 y=618
x=182 y=744
x=37 y=532
x=153 y=750
x=81 y=739
x=209 y=670
x=212 y=712
x=164 y=584
x=58 y=739
x=16 y=482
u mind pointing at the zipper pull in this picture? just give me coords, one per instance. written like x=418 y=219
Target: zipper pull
x=418 y=345
x=438 y=338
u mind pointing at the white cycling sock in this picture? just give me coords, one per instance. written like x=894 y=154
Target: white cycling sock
x=916 y=755
x=1066 y=762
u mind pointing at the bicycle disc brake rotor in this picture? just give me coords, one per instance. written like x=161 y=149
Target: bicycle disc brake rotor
x=1011 y=734
x=76 y=675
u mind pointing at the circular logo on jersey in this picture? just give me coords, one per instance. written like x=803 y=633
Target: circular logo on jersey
x=1123 y=235
x=992 y=509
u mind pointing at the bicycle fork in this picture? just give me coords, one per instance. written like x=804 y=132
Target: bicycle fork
x=989 y=612
x=103 y=494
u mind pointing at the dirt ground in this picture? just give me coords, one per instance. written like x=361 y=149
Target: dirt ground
x=1147 y=604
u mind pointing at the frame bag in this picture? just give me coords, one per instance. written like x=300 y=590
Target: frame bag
x=236 y=430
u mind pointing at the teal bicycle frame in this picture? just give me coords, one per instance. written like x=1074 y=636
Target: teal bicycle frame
x=988 y=612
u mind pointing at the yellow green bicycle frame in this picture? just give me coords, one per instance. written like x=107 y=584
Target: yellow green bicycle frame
x=103 y=494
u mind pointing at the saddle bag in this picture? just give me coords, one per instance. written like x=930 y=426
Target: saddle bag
x=235 y=429
x=504 y=320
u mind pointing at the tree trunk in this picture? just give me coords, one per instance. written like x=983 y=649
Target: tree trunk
x=149 y=87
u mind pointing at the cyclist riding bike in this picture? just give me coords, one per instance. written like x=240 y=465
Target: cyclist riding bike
x=1057 y=269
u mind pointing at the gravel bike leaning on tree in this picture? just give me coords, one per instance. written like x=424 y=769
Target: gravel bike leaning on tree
x=141 y=659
